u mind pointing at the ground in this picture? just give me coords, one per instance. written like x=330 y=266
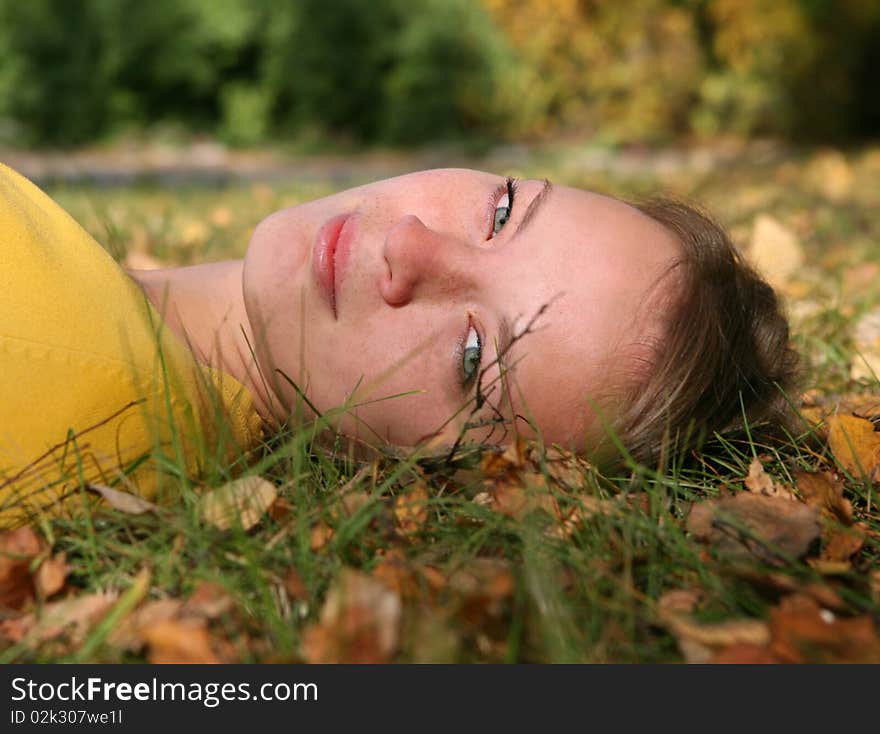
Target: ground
x=750 y=550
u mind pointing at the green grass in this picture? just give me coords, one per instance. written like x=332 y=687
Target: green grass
x=590 y=596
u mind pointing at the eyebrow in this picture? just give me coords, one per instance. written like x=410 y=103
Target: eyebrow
x=533 y=207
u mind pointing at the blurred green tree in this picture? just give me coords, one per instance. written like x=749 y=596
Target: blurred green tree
x=54 y=83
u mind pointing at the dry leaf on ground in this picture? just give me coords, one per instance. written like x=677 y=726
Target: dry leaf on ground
x=411 y=509
x=74 y=617
x=700 y=642
x=294 y=585
x=359 y=623
x=855 y=445
x=179 y=641
x=842 y=543
x=18 y=549
x=753 y=525
x=320 y=534
x=242 y=502
x=803 y=632
x=209 y=601
x=866 y=338
x=774 y=250
x=759 y=482
x=825 y=490
x=127 y=633
x=51 y=575
x=125 y=502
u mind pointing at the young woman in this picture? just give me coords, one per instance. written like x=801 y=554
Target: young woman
x=423 y=310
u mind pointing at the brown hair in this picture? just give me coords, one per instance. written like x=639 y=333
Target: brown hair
x=724 y=359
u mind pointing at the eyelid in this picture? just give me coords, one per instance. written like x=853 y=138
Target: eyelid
x=499 y=191
x=458 y=353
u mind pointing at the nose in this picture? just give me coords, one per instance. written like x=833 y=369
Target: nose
x=422 y=262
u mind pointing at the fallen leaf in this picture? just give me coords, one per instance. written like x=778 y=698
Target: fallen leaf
x=241 y=502
x=520 y=494
x=803 y=632
x=294 y=585
x=568 y=470
x=854 y=444
x=320 y=535
x=831 y=174
x=699 y=642
x=759 y=482
x=280 y=509
x=744 y=653
x=411 y=509
x=678 y=601
x=774 y=250
x=482 y=589
x=50 y=576
x=359 y=623
x=127 y=632
x=74 y=617
x=780 y=582
x=753 y=525
x=179 y=641
x=125 y=502
x=866 y=340
x=495 y=464
x=842 y=543
x=208 y=601
x=18 y=548
x=857 y=277
x=824 y=490
x=829 y=568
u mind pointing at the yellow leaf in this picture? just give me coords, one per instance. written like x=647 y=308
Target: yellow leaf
x=50 y=576
x=854 y=444
x=241 y=502
x=411 y=509
x=774 y=250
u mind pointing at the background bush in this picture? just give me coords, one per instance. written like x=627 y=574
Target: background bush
x=411 y=71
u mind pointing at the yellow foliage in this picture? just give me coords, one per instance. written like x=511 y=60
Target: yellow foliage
x=623 y=70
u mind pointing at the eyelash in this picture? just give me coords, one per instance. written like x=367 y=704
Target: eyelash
x=509 y=187
x=460 y=347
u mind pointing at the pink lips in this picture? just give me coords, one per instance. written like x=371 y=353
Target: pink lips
x=330 y=256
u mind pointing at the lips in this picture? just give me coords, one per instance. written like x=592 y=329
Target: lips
x=330 y=256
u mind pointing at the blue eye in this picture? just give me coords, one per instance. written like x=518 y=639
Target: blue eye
x=472 y=356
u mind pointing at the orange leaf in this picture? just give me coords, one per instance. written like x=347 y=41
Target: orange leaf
x=321 y=534
x=17 y=549
x=843 y=543
x=854 y=444
x=825 y=490
x=803 y=632
x=179 y=641
x=411 y=510
x=74 y=616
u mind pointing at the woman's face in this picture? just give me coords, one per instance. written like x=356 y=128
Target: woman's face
x=399 y=296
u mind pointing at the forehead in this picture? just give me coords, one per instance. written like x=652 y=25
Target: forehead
x=596 y=263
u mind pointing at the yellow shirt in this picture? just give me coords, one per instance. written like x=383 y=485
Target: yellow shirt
x=92 y=387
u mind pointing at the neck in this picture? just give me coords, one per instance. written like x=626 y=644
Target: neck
x=204 y=306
